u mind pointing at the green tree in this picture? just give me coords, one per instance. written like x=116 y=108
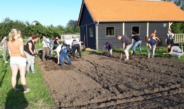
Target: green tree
x=177 y=27
x=68 y=30
x=72 y=24
x=37 y=28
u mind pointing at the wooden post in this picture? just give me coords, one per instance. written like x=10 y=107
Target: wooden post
x=147 y=30
x=170 y=23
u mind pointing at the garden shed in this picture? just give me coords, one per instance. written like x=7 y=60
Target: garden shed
x=102 y=20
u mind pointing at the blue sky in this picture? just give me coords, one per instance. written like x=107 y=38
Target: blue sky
x=55 y=12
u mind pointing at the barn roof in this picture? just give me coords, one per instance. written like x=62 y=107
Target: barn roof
x=132 y=11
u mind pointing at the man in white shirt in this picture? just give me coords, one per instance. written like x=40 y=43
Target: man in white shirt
x=45 y=48
x=169 y=40
x=57 y=50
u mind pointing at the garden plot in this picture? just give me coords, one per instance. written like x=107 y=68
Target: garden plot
x=97 y=81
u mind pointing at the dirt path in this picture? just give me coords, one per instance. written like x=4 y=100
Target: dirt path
x=102 y=82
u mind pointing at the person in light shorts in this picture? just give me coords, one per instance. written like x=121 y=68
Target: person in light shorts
x=17 y=59
x=20 y=63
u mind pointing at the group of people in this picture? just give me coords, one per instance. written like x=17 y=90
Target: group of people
x=22 y=56
x=62 y=50
x=151 y=43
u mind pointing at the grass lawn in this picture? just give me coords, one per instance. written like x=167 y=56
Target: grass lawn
x=38 y=97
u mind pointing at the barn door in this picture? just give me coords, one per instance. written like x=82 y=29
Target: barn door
x=84 y=35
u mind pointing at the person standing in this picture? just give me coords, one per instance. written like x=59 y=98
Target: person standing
x=45 y=48
x=75 y=46
x=64 y=54
x=169 y=40
x=17 y=59
x=152 y=44
x=29 y=49
x=4 y=43
x=137 y=43
x=127 y=44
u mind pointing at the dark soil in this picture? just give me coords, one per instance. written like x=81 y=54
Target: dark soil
x=97 y=81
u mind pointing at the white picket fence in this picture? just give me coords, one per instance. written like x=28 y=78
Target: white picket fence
x=179 y=39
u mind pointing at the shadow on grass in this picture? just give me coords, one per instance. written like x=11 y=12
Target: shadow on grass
x=4 y=71
x=16 y=100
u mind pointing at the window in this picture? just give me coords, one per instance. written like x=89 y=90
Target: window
x=110 y=31
x=91 y=32
x=135 y=30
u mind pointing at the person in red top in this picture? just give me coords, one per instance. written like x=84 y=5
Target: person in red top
x=17 y=59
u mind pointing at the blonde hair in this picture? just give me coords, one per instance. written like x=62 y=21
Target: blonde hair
x=12 y=34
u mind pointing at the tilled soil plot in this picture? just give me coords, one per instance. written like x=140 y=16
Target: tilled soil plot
x=102 y=82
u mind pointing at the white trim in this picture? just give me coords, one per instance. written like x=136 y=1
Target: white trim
x=170 y=24
x=97 y=35
x=147 y=35
x=123 y=29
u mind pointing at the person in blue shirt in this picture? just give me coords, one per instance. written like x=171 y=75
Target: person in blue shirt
x=137 y=43
x=64 y=54
x=108 y=48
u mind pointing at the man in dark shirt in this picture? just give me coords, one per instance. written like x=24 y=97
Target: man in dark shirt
x=137 y=43
x=76 y=46
x=169 y=40
x=127 y=44
x=108 y=48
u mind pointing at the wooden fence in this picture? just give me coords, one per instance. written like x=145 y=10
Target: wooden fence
x=179 y=39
